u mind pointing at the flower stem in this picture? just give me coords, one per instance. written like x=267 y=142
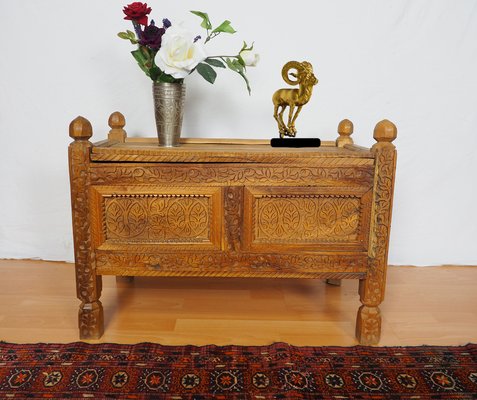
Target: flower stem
x=222 y=57
x=211 y=36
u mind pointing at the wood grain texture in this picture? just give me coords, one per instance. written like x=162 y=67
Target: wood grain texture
x=371 y=289
x=117 y=133
x=238 y=209
x=199 y=311
x=88 y=283
x=146 y=151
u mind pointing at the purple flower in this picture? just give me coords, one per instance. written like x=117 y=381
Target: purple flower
x=198 y=37
x=152 y=37
x=166 y=23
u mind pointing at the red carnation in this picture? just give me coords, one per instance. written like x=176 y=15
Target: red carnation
x=137 y=12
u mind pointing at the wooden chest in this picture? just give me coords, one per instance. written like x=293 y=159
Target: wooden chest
x=231 y=208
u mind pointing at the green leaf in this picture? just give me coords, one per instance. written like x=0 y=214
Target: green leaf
x=141 y=60
x=205 y=19
x=244 y=47
x=214 y=62
x=236 y=66
x=126 y=36
x=163 y=77
x=154 y=72
x=224 y=27
x=146 y=52
x=207 y=72
x=139 y=56
x=131 y=34
x=231 y=64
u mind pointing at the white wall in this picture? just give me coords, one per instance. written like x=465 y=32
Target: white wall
x=413 y=62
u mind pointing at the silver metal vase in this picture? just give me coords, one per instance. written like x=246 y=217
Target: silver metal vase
x=169 y=108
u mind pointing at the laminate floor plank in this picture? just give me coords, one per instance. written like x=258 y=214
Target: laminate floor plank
x=432 y=305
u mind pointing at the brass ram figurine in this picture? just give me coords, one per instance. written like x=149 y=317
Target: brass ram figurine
x=293 y=98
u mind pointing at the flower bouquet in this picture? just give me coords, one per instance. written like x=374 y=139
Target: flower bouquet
x=168 y=53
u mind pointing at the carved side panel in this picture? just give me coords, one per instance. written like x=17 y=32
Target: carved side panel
x=151 y=216
x=306 y=218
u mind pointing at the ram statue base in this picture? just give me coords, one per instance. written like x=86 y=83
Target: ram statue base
x=295 y=142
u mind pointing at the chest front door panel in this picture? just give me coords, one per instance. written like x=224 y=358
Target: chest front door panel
x=151 y=218
x=306 y=218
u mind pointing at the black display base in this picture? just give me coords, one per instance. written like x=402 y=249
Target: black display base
x=295 y=142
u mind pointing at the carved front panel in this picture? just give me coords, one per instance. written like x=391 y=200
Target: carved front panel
x=145 y=218
x=306 y=218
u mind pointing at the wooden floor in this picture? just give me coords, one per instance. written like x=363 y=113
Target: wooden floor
x=434 y=305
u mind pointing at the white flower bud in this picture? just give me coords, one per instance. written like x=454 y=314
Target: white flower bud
x=250 y=58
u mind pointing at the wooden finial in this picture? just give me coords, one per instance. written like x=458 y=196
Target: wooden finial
x=80 y=129
x=385 y=131
x=345 y=129
x=117 y=122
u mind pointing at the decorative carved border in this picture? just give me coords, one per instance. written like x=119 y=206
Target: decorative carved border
x=233 y=208
x=372 y=290
x=100 y=234
x=235 y=175
x=79 y=159
x=363 y=194
x=88 y=284
x=228 y=264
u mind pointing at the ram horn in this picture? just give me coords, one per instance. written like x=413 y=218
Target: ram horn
x=286 y=69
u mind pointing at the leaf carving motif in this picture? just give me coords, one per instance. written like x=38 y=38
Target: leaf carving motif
x=163 y=218
x=110 y=174
x=228 y=263
x=307 y=218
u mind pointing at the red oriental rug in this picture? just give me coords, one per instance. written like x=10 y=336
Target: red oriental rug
x=279 y=371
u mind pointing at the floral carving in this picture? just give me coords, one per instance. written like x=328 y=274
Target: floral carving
x=278 y=219
x=233 y=216
x=236 y=214
x=371 y=289
x=106 y=174
x=157 y=217
x=231 y=264
x=88 y=284
x=368 y=325
x=306 y=218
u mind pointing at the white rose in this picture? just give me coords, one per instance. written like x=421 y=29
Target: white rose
x=178 y=54
x=250 y=58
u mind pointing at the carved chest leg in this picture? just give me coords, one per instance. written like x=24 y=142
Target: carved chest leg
x=90 y=316
x=371 y=289
x=88 y=284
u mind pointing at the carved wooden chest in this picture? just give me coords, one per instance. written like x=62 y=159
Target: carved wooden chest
x=231 y=209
